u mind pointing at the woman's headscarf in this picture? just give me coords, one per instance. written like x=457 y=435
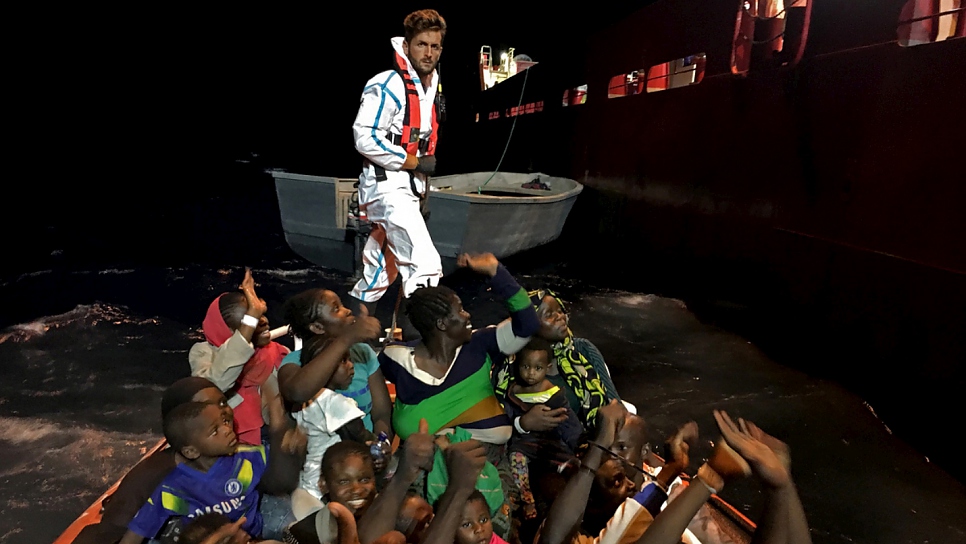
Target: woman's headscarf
x=579 y=374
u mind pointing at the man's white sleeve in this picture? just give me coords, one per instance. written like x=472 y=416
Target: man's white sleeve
x=380 y=103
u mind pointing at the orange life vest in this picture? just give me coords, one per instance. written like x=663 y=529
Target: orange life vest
x=412 y=122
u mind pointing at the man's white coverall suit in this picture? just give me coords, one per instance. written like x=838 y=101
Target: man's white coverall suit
x=399 y=242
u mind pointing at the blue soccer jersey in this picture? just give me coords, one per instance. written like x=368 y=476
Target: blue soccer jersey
x=227 y=488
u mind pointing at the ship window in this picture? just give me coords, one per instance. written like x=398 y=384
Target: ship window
x=575 y=96
x=676 y=73
x=768 y=30
x=524 y=109
x=627 y=84
x=929 y=21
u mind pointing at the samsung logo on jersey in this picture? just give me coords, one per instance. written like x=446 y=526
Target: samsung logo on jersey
x=224 y=507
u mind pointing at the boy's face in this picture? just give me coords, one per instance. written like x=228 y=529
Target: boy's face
x=532 y=366
x=352 y=484
x=414 y=517
x=475 y=526
x=343 y=375
x=262 y=335
x=212 y=434
x=213 y=395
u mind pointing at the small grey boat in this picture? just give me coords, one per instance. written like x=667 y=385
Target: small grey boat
x=509 y=214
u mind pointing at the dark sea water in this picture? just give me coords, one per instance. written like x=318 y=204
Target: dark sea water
x=98 y=320
x=80 y=398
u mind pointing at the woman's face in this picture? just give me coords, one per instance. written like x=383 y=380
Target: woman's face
x=333 y=316
x=553 y=320
x=457 y=324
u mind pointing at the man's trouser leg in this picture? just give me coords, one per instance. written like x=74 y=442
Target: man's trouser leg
x=379 y=267
x=408 y=243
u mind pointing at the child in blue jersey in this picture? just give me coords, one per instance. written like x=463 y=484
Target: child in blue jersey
x=316 y=315
x=218 y=474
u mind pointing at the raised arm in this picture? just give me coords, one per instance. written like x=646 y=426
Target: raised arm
x=222 y=366
x=288 y=443
x=512 y=336
x=784 y=518
x=464 y=462
x=567 y=511
x=417 y=459
x=301 y=384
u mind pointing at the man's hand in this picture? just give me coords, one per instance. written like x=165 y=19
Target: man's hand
x=679 y=444
x=364 y=327
x=764 y=462
x=464 y=462
x=419 y=451
x=426 y=165
x=610 y=421
x=230 y=533
x=256 y=306
x=542 y=418
x=481 y=263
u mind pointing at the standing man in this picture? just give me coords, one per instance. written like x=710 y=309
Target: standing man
x=395 y=131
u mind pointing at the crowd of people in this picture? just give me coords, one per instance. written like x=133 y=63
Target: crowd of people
x=511 y=432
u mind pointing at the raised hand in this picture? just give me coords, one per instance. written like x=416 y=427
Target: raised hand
x=780 y=448
x=763 y=461
x=542 y=418
x=295 y=441
x=610 y=420
x=481 y=263
x=256 y=306
x=364 y=327
x=680 y=443
x=419 y=451
x=464 y=462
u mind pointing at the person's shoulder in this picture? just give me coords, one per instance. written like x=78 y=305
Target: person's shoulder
x=387 y=78
x=247 y=451
x=292 y=357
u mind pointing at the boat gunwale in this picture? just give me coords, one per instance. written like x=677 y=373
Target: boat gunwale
x=473 y=198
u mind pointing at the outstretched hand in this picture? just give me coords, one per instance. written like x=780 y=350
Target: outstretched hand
x=481 y=263
x=763 y=460
x=256 y=306
x=365 y=327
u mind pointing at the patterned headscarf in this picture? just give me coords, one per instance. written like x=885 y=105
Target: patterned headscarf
x=579 y=374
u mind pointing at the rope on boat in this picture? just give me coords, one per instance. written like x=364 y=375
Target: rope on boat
x=526 y=73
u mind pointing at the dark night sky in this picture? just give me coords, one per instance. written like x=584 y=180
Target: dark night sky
x=120 y=118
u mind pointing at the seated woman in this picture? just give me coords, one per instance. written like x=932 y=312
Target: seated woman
x=445 y=377
x=239 y=355
x=317 y=315
x=577 y=366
